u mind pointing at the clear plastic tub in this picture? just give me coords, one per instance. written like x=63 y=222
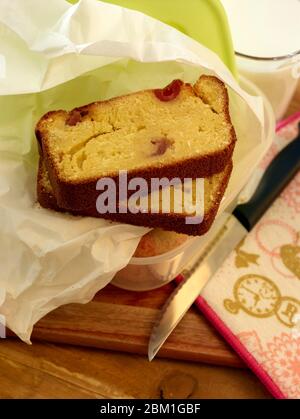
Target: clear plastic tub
x=144 y=274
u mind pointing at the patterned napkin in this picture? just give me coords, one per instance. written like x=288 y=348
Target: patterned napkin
x=254 y=298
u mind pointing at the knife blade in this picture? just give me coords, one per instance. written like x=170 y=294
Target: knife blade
x=277 y=176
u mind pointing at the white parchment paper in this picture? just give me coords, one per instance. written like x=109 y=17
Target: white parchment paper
x=55 y=55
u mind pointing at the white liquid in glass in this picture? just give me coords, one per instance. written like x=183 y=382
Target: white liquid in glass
x=267 y=29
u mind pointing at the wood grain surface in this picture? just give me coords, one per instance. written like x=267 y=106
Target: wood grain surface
x=64 y=371
x=122 y=321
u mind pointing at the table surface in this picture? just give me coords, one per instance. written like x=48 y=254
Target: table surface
x=55 y=371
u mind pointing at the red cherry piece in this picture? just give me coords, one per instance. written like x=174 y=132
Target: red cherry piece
x=170 y=92
x=162 y=145
x=73 y=118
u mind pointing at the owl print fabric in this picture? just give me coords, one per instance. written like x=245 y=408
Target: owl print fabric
x=254 y=298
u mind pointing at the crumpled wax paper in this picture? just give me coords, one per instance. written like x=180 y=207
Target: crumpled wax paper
x=55 y=55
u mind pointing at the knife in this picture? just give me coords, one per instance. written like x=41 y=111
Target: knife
x=277 y=176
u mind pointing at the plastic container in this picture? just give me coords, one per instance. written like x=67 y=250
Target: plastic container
x=144 y=274
x=203 y=20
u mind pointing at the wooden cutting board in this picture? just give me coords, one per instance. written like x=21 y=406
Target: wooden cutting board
x=122 y=321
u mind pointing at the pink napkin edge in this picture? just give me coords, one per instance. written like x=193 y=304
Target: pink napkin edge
x=228 y=335
x=282 y=124
x=239 y=348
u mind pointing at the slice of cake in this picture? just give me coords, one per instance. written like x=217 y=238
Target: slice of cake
x=158 y=241
x=214 y=188
x=181 y=131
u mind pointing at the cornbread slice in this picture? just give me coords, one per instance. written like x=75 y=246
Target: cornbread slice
x=180 y=131
x=214 y=188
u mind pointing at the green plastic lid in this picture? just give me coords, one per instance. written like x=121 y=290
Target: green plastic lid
x=203 y=20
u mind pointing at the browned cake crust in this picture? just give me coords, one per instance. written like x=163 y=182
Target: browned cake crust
x=44 y=196
x=83 y=194
x=169 y=222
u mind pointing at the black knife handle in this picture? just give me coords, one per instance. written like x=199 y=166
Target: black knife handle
x=277 y=176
